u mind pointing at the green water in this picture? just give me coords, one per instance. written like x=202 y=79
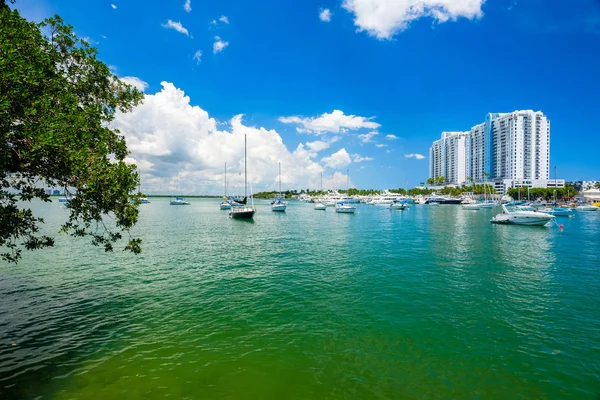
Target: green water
x=428 y=303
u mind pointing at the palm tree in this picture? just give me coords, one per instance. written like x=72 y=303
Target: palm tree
x=430 y=181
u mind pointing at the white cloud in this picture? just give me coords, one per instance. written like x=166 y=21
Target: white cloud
x=380 y=146
x=391 y=137
x=384 y=18
x=325 y=14
x=338 y=159
x=213 y=22
x=187 y=6
x=366 y=137
x=317 y=146
x=198 y=56
x=219 y=45
x=357 y=158
x=179 y=148
x=177 y=26
x=334 y=122
x=103 y=36
x=135 y=82
x=113 y=6
x=415 y=155
x=224 y=19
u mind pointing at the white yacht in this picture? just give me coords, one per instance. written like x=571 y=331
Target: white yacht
x=387 y=198
x=179 y=201
x=398 y=205
x=320 y=206
x=522 y=216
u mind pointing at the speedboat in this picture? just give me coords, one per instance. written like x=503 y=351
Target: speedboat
x=522 y=216
x=345 y=208
x=587 y=208
x=558 y=211
x=398 y=205
x=329 y=203
x=179 y=201
x=320 y=206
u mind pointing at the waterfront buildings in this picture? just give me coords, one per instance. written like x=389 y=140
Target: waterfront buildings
x=509 y=149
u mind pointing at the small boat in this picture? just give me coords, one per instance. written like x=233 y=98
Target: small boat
x=522 y=216
x=225 y=204
x=473 y=206
x=320 y=206
x=558 y=211
x=65 y=199
x=144 y=200
x=587 y=208
x=279 y=205
x=244 y=212
x=345 y=208
x=179 y=201
x=398 y=205
x=329 y=203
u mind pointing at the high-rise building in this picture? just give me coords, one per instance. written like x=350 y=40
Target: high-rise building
x=513 y=148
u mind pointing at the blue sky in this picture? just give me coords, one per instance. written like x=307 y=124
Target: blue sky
x=287 y=65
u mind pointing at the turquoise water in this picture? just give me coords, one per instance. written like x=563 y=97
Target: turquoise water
x=428 y=303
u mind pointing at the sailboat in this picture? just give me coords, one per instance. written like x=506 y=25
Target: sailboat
x=225 y=205
x=342 y=207
x=279 y=205
x=486 y=203
x=244 y=212
x=143 y=200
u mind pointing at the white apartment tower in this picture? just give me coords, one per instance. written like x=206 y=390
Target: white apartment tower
x=511 y=147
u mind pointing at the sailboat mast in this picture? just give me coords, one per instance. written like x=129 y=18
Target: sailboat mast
x=347 y=181
x=280 y=180
x=321 y=181
x=225 y=186
x=245 y=172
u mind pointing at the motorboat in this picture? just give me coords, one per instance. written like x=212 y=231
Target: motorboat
x=345 y=208
x=522 y=216
x=320 y=206
x=443 y=200
x=225 y=204
x=179 y=201
x=144 y=200
x=398 y=205
x=587 y=207
x=329 y=202
x=558 y=211
x=244 y=212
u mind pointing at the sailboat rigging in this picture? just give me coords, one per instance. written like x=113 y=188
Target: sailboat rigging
x=279 y=205
x=244 y=212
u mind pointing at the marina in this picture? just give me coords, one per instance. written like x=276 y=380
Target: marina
x=436 y=298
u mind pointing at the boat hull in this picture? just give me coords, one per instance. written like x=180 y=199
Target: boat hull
x=225 y=206
x=242 y=213
x=530 y=220
x=278 y=207
x=320 y=207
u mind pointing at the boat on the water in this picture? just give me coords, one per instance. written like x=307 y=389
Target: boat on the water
x=472 y=206
x=398 y=205
x=587 y=208
x=225 y=204
x=522 y=216
x=320 y=206
x=279 y=205
x=345 y=208
x=558 y=211
x=179 y=201
x=244 y=212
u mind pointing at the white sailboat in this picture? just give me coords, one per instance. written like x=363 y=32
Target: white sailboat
x=279 y=205
x=244 y=212
x=342 y=207
x=225 y=205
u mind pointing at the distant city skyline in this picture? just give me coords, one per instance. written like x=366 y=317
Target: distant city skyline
x=336 y=85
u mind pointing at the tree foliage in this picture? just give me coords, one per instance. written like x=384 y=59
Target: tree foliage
x=542 y=193
x=56 y=100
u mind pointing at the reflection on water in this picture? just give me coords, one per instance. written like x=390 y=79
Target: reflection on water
x=430 y=302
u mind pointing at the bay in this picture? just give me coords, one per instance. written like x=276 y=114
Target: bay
x=426 y=303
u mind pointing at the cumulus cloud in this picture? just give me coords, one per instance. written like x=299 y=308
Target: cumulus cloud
x=135 y=82
x=179 y=148
x=415 y=155
x=380 y=145
x=224 y=19
x=219 y=45
x=391 y=137
x=338 y=159
x=325 y=14
x=357 y=158
x=176 y=26
x=113 y=6
x=334 y=122
x=384 y=18
x=187 y=6
x=366 y=137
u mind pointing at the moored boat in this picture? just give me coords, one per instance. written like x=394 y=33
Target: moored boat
x=345 y=208
x=522 y=216
x=244 y=212
x=320 y=207
x=179 y=201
